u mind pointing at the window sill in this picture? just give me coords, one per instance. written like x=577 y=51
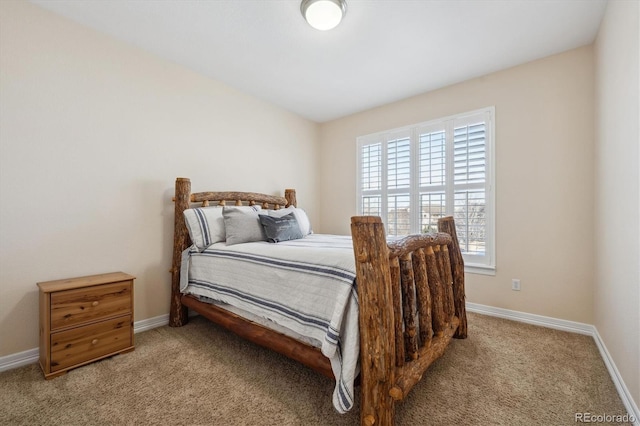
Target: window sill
x=479 y=269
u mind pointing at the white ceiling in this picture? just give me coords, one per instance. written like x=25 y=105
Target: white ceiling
x=383 y=51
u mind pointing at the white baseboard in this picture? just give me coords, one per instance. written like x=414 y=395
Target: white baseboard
x=573 y=327
x=148 y=324
x=9 y=362
x=623 y=391
x=31 y=356
x=540 y=320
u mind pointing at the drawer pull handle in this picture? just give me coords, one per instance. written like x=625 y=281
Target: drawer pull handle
x=94 y=341
x=95 y=303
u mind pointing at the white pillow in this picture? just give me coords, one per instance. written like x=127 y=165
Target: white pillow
x=300 y=215
x=242 y=225
x=205 y=225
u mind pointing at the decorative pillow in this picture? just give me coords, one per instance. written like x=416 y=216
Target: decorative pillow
x=283 y=228
x=301 y=218
x=205 y=225
x=242 y=225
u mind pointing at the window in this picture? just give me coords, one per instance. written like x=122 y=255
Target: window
x=414 y=175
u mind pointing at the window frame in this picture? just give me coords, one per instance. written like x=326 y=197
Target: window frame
x=481 y=264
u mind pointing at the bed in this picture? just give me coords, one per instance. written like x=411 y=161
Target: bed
x=408 y=298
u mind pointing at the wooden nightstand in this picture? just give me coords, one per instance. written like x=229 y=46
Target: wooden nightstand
x=83 y=320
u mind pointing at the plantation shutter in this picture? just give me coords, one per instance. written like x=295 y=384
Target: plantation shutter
x=398 y=184
x=432 y=176
x=413 y=176
x=469 y=180
x=371 y=179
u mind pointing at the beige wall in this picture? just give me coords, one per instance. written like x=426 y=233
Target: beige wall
x=544 y=178
x=93 y=133
x=617 y=202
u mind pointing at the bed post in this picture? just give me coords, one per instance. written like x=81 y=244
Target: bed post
x=446 y=224
x=377 y=333
x=290 y=195
x=177 y=312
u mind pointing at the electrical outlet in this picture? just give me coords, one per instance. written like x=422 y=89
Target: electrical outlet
x=515 y=284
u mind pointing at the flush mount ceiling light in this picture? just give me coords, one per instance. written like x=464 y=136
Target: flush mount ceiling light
x=323 y=14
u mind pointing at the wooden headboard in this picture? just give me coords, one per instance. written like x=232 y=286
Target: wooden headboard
x=183 y=200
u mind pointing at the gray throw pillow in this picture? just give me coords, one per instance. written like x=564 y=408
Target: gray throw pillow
x=242 y=225
x=301 y=217
x=283 y=228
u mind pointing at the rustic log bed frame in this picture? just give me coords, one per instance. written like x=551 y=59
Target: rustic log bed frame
x=410 y=294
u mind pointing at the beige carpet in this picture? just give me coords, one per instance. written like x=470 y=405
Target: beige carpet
x=505 y=373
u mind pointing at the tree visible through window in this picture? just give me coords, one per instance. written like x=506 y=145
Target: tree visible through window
x=415 y=175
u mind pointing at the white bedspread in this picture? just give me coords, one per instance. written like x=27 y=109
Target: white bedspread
x=306 y=285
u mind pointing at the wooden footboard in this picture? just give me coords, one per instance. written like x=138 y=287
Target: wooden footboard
x=411 y=301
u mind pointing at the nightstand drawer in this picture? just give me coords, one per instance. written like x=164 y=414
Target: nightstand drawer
x=75 y=346
x=77 y=306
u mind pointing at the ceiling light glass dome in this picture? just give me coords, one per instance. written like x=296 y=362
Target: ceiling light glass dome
x=323 y=15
